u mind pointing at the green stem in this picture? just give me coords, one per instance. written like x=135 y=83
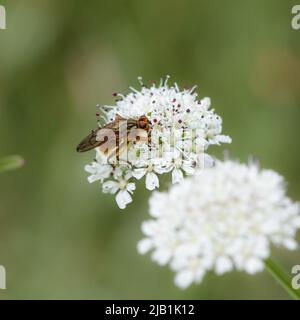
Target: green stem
x=282 y=278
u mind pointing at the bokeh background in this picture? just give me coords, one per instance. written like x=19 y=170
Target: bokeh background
x=61 y=237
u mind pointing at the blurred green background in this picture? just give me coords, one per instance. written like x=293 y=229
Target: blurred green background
x=61 y=237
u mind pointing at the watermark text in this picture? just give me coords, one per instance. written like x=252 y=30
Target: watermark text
x=296 y=278
x=296 y=17
x=2 y=17
x=2 y=277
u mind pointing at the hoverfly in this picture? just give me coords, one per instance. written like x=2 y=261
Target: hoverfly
x=114 y=136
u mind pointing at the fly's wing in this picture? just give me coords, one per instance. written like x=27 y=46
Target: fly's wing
x=99 y=137
x=89 y=142
x=107 y=138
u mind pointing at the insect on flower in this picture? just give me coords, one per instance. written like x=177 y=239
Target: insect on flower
x=112 y=139
x=154 y=131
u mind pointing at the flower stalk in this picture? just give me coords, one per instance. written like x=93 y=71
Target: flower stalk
x=281 y=277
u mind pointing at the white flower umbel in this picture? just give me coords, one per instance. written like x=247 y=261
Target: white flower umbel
x=182 y=127
x=223 y=218
x=120 y=186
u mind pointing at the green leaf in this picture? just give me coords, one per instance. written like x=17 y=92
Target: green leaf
x=11 y=163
